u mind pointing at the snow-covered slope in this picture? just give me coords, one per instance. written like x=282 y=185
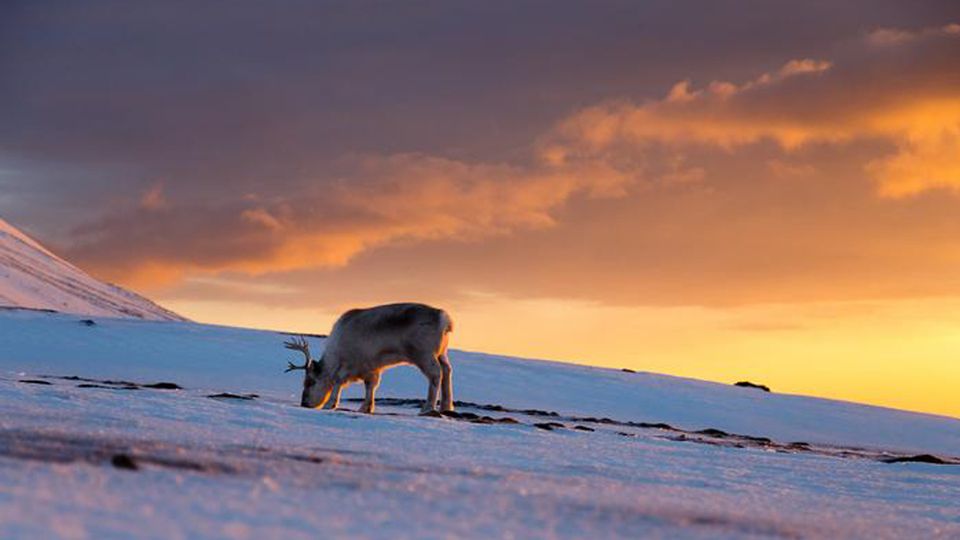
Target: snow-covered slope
x=32 y=277
x=241 y=360
x=88 y=450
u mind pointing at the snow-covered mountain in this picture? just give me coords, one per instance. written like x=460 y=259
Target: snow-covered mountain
x=31 y=277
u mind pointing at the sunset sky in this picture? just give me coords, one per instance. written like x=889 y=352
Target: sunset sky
x=729 y=190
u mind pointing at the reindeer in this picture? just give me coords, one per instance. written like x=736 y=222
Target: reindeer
x=364 y=342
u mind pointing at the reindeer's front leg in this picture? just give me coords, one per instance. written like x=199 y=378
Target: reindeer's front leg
x=334 y=397
x=370 y=382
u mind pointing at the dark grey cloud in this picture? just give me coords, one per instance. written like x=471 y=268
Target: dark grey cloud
x=254 y=95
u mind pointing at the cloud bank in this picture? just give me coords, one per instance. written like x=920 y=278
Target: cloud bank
x=894 y=89
x=378 y=200
x=900 y=87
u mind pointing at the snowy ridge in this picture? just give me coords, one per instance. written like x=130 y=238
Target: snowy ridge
x=7 y=228
x=31 y=277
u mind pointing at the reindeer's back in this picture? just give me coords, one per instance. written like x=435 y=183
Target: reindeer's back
x=390 y=321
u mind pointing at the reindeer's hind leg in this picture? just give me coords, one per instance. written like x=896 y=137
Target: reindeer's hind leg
x=430 y=368
x=446 y=383
x=370 y=382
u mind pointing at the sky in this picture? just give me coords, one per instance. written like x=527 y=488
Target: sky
x=728 y=190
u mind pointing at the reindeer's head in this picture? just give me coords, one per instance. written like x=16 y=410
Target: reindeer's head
x=316 y=383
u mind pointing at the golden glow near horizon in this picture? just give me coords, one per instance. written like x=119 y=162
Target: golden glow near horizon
x=895 y=353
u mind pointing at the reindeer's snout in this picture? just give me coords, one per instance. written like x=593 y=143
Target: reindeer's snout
x=305 y=397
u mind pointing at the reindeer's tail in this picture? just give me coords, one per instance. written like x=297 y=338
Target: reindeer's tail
x=446 y=322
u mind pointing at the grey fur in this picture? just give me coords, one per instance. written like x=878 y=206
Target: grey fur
x=364 y=342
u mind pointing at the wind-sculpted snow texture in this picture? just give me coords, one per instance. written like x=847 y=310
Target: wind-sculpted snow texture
x=31 y=277
x=126 y=428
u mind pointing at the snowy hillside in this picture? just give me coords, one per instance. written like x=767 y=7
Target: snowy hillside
x=32 y=277
x=91 y=446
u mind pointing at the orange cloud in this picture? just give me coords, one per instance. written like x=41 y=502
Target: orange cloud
x=903 y=97
x=404 y=197
x=263 y=217
x=927 y=136
x=154 y=198
x=906 y=93
x=896 y=36
x=715 y=114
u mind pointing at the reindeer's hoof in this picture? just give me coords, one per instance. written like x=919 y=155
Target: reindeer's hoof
x=432 y=413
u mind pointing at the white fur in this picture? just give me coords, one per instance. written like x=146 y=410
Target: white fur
x=364 y=342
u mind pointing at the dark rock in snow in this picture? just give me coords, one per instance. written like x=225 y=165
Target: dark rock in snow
x=649 y=425
x=124 y=461
x=538 y=412
x=748 y=384
x=164 y=386
x=228 y=395
x=107 y=382
x=112 y=387
x=627 y=370
x=492 y=420
x=88 y=322
x=921 y=458
x=460 y=415
x=34 y=381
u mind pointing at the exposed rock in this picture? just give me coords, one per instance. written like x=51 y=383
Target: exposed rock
x=124 y=461
x=228 y=395
x=748 y=384
x=921 y=458
x=164 y=386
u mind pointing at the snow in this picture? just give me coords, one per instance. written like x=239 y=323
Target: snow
x=229 y=468
x=32 y=277
x=8 y=229
x=241 y=360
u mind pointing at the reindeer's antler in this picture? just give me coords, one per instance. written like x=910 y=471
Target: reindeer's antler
x=298 y=344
